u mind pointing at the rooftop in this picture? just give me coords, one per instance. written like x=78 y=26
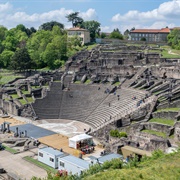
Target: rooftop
x=52 y=151
x=76 y=161
x=163 y=30
x=109 y=157
x=77 y=29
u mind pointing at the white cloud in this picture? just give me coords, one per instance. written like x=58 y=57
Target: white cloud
x=167 y=14
x=166 y=11
x=10 y=17
x=90 y=14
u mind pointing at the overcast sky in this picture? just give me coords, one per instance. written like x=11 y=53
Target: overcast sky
x=122 y=14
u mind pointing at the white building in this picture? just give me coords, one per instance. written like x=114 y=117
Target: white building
x=73 y=164
x=49 y=156
x=83 y=34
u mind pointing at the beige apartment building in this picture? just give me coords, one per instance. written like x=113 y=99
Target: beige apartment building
x=83 y=34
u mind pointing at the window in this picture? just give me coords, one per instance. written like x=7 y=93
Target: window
x=41 y=154
x=51 y=159
x=61 y=164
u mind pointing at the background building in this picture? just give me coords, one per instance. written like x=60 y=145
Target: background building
x=83 y=34
x=149 y=35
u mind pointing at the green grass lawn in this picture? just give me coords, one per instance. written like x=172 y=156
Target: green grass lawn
x=40 y=164
x=177 y=109
x=163 y=121
x=25 y=92
x=14 y=96
x=88 y=81
x=162 y=98
x=22 y=101
x=30 y=99
x=117 y=83
x=77 y=82
x=10 y=149
x=35 y=87
x=91 y=46
x=157 y=133
x=4 y=79
x=165 y=53
x=158 y=167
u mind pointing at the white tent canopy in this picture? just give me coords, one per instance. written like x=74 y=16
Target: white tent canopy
x=76 y=139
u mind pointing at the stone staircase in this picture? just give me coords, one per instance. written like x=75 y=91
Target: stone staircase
x=129 y=82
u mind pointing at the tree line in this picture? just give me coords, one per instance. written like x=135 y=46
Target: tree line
x=24 y=48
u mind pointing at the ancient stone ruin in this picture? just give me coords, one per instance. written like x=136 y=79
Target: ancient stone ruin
x=122 y=87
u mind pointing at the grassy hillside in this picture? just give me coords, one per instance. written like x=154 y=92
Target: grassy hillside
x=160 y=167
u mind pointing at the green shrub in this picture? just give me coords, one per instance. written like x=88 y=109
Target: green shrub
x=157 y=154
x=116 y=133
x=116 y=164
x=122 y=134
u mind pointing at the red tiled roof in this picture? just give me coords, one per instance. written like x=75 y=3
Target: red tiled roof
x=163 y=30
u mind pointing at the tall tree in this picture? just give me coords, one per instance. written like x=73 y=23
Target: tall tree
x=5 y=58
x=93 y=27
x=126 y=34
x=49 y=25
x=21 y=60
x=75 y=19
x=3 y=31
x=116 y=35
x=174 y=39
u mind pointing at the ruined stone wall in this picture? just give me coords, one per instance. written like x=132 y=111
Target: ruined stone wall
x=10 y=107
x=165 y=115
x=158 y=127
x=169 y=72
x=168 y=105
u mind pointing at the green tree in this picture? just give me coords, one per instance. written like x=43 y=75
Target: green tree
x=21 y=60
x=3 y=31
x=37 y=45
x=116 y=35
x=75 y=19
x=21 y=27
x=13 y=39
x=30 y=31
x=93 y=27
x=126 y=34
x=103 y=35
x=5 y=58
x=174 y=39
x=49 y=25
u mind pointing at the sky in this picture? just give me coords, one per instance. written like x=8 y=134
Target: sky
x=122 y=14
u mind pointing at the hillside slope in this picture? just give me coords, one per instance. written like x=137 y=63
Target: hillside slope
x=165 y=167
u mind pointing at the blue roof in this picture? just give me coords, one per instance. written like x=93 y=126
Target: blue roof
x=109 y=157
x=51 y=151
x=76 y=161
x=32 y=130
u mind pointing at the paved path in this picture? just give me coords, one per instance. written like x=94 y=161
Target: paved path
x=18 y=166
